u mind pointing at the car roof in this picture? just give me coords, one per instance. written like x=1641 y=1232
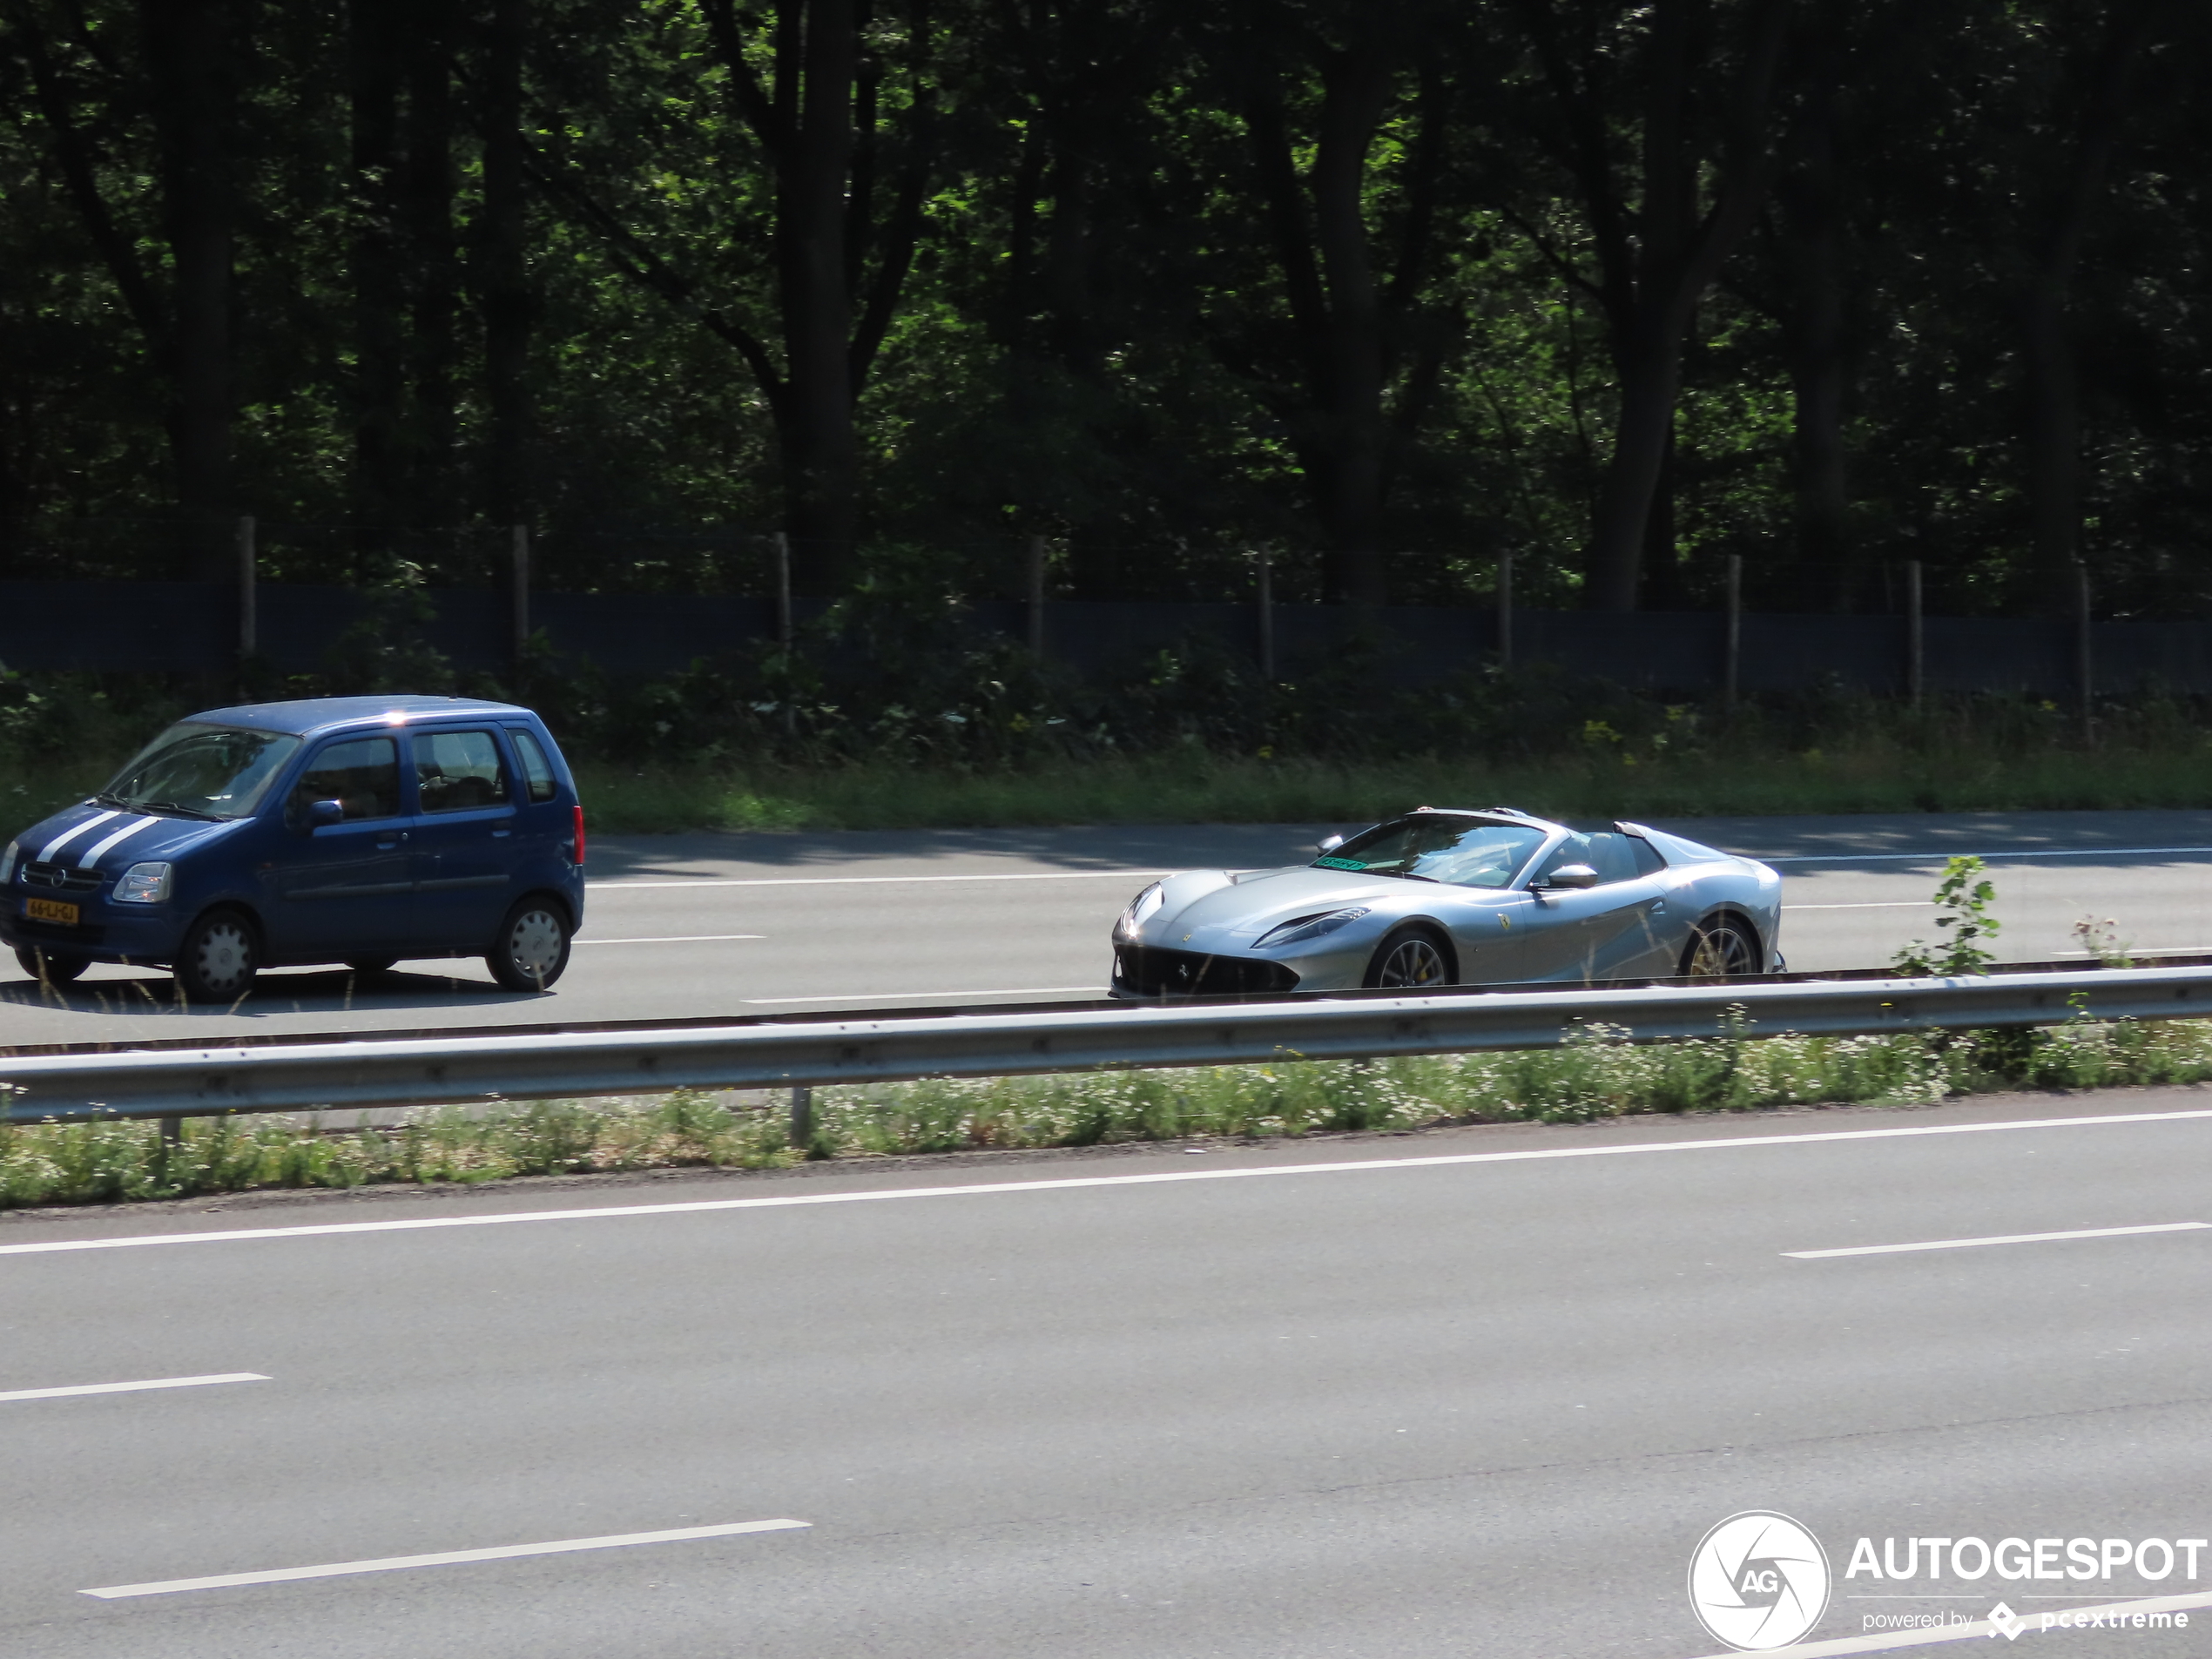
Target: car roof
x=310 y=717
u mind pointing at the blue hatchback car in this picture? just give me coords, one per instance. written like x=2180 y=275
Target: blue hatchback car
x=346 y=829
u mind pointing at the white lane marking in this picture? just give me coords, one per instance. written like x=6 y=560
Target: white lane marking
x=871 y=880
x=1883 y=1641
x=673 y=939
x=1873 y=904
x=132 y=1387
x=1072 y=1182
x=2001 y=1238
x=2001 y=853
x=908 y=996
x=62 y=840
x=444 y=1558
x=92 y=855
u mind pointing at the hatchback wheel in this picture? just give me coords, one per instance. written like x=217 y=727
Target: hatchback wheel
x=216 y=961
x=1722 y=949
x=51 y=967
x=1409 y=962
x=532 y=948
x=369 y=966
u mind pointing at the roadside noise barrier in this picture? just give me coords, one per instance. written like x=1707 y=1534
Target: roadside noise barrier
x=322 y=1074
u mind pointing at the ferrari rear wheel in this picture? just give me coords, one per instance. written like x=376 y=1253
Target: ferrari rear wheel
x=1412 y=960
x=1722 y=949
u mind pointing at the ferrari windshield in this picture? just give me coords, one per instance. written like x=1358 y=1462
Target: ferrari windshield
x=201 y=771
x=1438 y=847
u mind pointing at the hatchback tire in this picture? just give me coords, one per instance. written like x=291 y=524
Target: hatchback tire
x=1725 y=948
x=51 y=967
x=216 y=961
x=532 y=945
x=1412 y=959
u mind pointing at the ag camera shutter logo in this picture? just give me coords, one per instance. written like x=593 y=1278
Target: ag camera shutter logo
x=1758 y=1581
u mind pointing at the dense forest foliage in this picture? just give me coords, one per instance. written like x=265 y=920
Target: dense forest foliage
x=1386 y=287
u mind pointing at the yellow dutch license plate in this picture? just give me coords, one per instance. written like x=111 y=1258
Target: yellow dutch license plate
x=50 y=910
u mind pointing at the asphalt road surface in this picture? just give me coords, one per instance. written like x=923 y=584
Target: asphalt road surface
x=689 y=926
x=1479 y=1392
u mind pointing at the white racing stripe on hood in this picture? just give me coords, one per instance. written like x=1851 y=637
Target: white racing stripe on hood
x=92 y=857
x=46 y=856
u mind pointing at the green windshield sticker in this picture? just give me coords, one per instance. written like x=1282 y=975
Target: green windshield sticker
x=1337 y=864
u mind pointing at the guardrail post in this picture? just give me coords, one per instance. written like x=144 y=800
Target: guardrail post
x=802 y=1116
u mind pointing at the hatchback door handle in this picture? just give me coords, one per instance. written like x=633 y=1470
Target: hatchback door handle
x=500 y=835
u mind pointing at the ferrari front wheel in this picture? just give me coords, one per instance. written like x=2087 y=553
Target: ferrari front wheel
x=1411 y=959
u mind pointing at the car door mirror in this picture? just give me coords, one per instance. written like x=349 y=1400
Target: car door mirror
x=325 y=812
x=1571 y=876
x=1329 y=844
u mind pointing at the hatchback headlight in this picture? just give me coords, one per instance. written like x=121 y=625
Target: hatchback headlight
x=1300 y=928
x=8 y=863
x=143 y=884
x=1139 y=909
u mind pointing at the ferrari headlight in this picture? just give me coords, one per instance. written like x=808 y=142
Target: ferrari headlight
x=1139 y=909
x=143 y=884
x=8 y=863
x=1300 y=928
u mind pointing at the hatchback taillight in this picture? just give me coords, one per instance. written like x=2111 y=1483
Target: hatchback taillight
x=577 y=857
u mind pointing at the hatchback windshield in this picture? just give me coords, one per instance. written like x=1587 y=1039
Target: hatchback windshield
x=1465 y=851
x=201 y=771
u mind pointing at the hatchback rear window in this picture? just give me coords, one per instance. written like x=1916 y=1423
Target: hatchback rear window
x=537 y=772
x=456 y=770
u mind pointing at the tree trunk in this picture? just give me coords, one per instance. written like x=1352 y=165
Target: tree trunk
x=503 y=283
x=2054 y=445
x=1829 y=576
x=435 y=255
x=376 y=55
x=187 y=49
x=822 y=475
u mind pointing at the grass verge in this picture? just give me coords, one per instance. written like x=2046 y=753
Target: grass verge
x=1596 y=1075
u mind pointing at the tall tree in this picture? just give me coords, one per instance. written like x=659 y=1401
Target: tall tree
x=1662 y=226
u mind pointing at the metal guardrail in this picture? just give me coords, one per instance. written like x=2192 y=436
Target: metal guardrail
x=415 y=1071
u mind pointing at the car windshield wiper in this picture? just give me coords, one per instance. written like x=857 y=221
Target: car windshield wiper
x=176 y=806
x=1410 y=875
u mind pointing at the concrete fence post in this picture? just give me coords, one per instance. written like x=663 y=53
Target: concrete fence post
x=1266 y=612
x=1915 y=640
x=1505 y=609
x=1034 y=593
x=519 y=595
x=1735 y=628
x=249 y=619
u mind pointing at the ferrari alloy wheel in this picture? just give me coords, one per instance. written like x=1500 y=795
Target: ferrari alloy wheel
x=1409 y=962
x=216 y=961
x=49 y=967
x=532 y=948
x=1724 y=949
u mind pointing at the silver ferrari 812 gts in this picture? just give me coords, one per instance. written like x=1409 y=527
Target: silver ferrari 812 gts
x=1494 y=896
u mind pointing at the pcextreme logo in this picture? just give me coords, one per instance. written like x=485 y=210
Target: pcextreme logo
x=1758 y=1581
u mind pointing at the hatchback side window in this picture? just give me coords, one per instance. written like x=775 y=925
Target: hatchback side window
x=454 y=771
x=361 y=774
x=537 y=772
